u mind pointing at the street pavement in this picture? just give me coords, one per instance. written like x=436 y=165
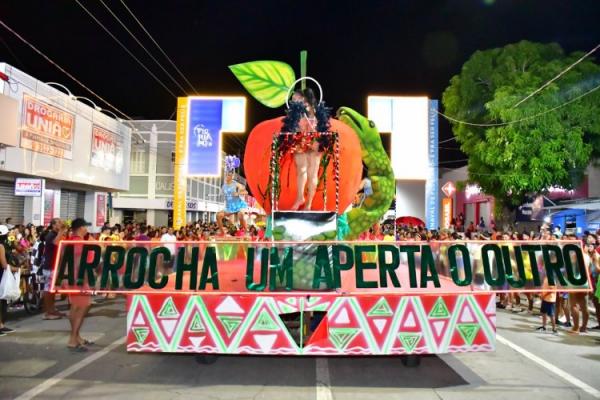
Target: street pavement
x=34 y=363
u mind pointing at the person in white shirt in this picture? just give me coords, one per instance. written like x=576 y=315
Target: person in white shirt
x=169 y=238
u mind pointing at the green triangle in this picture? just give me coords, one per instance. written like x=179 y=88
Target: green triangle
x=342 y=336
x=168 y=309
x=264 y=322
x=380 y=309
x=439 y=309
x=230 y=323
x=196 y=325
x=468 y=332
x=409 y=340
x=141 y=333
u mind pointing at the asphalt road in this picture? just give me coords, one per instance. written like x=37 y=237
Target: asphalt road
x=34 y=363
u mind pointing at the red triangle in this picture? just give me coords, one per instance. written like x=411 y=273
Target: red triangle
x=429 y=302
x=207 y=345
x=409 y=321
x=256 y=340
x=212 y=304
x=151 y=342
x=379 y=325
x=438 y=328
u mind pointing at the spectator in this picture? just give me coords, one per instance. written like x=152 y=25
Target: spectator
x=547 y=309
x=58 y=231
x=4 y=268
x=80 y=303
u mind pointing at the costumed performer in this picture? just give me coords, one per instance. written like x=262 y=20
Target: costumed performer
x=307 y=120
x=234 y=205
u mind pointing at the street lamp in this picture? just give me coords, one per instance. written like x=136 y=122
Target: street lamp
x=89 y=100
x=63 y=87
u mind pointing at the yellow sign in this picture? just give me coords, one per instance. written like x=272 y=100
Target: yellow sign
x=180 y=179
x=446 y=212
x=201 y=122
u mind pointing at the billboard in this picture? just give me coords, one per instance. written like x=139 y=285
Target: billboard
x=28 y=187
x=207 y=119
x=107 y=150
x=47 y=129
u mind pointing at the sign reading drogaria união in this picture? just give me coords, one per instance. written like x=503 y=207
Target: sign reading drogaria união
x=442 y=267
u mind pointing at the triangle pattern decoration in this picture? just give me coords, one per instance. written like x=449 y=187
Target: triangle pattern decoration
x=168 y=309
x=439 y=310
x=230 y=323
x=468 y=332
x=409 y=340
x=341 y=337
x=141 y=333
x=380 y=309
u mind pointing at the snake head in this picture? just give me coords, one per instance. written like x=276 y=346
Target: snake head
x=358 y=122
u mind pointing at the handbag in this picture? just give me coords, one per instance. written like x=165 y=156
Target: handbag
x=9 y=285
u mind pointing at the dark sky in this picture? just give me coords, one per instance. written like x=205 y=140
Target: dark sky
x=356 y=48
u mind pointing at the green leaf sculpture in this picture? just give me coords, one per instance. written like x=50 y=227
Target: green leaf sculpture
x=267 y=81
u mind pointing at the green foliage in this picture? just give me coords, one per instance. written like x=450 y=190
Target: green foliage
x=267 y=81
x=515 y=160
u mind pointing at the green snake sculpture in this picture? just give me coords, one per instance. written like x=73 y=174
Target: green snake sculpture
x=380 y=173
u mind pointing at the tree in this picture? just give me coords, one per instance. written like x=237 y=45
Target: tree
x=526 y=158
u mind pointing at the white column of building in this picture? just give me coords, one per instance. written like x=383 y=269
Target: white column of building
x=33 y=208
x=152 y=155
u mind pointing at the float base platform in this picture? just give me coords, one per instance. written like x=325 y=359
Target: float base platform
x=349 y=325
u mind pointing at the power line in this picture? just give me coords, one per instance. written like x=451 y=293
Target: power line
x=518 y=120
x=126 y=49
x=142 y=46
x=557 y=76
x=158 y=46
x=62 y=69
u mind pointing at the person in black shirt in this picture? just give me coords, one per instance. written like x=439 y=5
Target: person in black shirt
x=57 y=232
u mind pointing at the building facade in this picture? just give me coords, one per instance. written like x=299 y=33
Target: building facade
x=59 y=157
x=150 y=195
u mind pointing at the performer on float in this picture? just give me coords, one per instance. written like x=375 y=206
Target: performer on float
x=307 y=119
x=234 y=205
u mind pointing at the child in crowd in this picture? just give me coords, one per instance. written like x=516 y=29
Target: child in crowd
x=548 y=307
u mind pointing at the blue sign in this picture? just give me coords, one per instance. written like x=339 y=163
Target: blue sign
x=432 y=196
x=204 y=137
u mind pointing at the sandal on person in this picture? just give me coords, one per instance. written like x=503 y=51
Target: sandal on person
x=52 y=317
x=78 y=349
x=88 y=342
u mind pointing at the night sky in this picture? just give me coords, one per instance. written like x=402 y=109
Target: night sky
x=356 y=48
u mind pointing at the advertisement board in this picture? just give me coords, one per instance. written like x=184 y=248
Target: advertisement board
x=28 y=187
x=107 y=150
x=47 y=129
x=100 y=209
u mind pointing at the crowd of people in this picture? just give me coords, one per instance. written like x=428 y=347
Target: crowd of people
x=34 y=248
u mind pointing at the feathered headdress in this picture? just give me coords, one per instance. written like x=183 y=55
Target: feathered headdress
x=232 y=163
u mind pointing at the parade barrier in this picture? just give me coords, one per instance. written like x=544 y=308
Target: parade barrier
x=320 y=298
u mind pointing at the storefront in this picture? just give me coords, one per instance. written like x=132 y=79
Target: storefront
x=71 y=153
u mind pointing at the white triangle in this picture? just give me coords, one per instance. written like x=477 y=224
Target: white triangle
x=438 y=326
x=380 y=324
x=139 y=320
x=493 y=321
x=466 y=315
x=169 y=326
x=410 y=321
x=229 y=306
x=491 y=307
x=265 y=342
x=342 y=317
x=197 y=340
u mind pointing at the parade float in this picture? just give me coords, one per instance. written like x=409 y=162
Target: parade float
x=313 y=288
